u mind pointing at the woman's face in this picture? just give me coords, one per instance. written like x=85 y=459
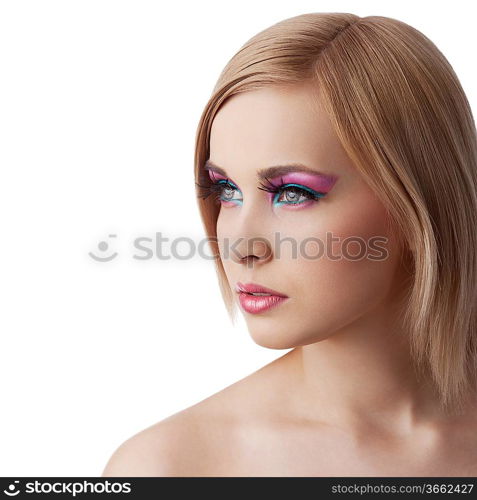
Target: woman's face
x=274 y=239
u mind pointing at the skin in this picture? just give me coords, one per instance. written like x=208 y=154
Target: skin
x=344 y=401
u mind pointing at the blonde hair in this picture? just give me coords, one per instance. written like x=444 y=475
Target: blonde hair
x=403 y=118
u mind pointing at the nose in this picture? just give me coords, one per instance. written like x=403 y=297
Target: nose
x=252 y=251
x=248 y=242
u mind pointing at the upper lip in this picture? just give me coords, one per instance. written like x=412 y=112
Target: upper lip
x=254 y=287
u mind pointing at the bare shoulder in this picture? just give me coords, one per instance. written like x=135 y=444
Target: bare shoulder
x=168 y=448
x=198 y=440
x=191 y=442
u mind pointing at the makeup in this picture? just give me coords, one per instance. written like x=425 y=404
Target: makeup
x=317 y=182
x=225 y=191
x=255 y=299
x=293 y=186
x=256 y=305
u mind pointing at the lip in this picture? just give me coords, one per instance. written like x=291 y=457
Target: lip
x=256 y=288
x=257 y=304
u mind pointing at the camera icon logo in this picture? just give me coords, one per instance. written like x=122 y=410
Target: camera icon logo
x=103 y=246
x=12 y=490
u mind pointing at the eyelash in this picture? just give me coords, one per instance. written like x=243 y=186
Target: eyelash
x=217 y=188
x=285 y=186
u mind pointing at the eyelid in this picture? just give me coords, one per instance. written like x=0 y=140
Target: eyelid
x=300 y=186
x=226 y=181
x=217 y=178
x=319 y=183
x=278 y=186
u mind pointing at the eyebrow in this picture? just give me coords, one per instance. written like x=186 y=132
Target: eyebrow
x=270 y=172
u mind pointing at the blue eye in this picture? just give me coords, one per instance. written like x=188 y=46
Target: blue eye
x=222 y=190
x=290 y=193
x=226 y=192
x=294 y=194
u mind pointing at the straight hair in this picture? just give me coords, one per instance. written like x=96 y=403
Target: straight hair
x=403 y=118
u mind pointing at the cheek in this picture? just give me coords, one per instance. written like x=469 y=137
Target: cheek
x=225 y=233
x=335 y=282
x=222 y=228
x=335 y=292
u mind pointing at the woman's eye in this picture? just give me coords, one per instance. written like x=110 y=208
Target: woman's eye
x=293 y=195
x=288 y=194
x=227 y=191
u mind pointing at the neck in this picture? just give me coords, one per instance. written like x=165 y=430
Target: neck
x=362 y=375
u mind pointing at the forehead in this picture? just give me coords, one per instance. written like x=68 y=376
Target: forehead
x=274 y=125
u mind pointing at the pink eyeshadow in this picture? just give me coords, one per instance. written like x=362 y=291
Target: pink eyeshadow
x=215 y=176
x=318 y=182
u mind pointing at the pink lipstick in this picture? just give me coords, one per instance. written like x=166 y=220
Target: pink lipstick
x=255 y=299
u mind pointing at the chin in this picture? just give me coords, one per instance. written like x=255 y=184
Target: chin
x=271 y=335
x=272 y=342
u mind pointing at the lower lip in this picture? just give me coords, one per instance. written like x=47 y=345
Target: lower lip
x=255 y=304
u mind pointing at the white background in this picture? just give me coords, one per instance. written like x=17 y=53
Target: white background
x=99 y=104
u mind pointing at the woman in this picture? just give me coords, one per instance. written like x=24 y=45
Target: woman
x=336 y=167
